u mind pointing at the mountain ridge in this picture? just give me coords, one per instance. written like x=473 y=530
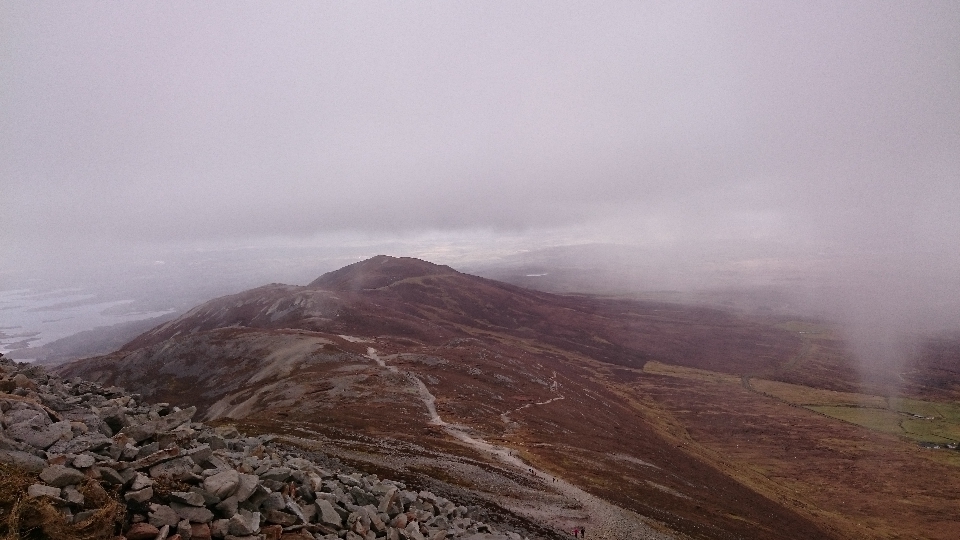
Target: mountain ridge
x=638 y=403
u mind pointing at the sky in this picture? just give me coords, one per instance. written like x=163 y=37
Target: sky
x=132 y=129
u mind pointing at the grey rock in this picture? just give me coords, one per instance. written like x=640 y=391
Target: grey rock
x=246 y=486
x=177 y=469
x=294 y=508
x=362 y=497
x=142 y=432
x=60 y=476
x=90 y=442
x=72 y=496
x=84 y=461
x=200 y=454
x=227 y=507
x=139 y=496
x=40 y=437
x=187 y=498
x=148 y=449
x=376 y=524
x=245 y=523
x=140 y=481
x=216 y=442
x=388 y=499
x=161 y=514
x=222 y=484
x=412 y=531
x=26 y=415
x=192 y=513
x=184 y=529
x=209 y=499
x=274 y=501
x=349 y=480
x=277 y=474
x=129 y=452
x=23 y=460
x=109 y=475
x=272 y=485
x=40 y=490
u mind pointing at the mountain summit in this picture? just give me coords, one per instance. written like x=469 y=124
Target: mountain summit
x=379 y=271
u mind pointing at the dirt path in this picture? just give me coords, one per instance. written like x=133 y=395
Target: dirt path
x=564 y=505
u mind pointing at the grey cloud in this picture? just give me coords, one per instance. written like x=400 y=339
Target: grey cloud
x=820 y=127
x=221 y=121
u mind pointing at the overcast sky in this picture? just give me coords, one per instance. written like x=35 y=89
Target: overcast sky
x=820 y=125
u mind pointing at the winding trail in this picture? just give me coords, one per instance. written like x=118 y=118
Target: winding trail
x=601 y=519
x=554 y=387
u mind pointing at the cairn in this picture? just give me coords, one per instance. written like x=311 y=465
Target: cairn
x=80 y=460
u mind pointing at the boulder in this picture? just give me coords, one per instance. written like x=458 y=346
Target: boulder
x=222 y=484
x=40 y=490
x=245 y=523
x=89 y=442
x=161 y=514
x=227 y=507
x=109 y=475
x=140 y=481
x=139 y=496
x=60 y=476
x=193 y=514
x=84 y=461
x=188 y=498
x=246 y=486
x=22 y=381
x=277 y=474
x=72 y=496
x=184 y=529
x=39 y=436
x=176 y=469
x=274 y=501
x=22 y=460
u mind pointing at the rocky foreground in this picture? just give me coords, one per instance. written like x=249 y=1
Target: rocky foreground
x=80 y=460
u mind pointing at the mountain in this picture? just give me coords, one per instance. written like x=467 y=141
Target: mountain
x=560 y=409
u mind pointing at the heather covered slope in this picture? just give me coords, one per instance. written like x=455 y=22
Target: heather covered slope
x=430 y=303
x=680 y=413
x=495 y=359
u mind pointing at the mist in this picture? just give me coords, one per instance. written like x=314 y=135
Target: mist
x=177 y=152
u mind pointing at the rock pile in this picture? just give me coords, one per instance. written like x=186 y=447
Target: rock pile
x=169 y=477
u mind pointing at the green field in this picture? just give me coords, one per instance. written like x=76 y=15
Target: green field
x=934 y=427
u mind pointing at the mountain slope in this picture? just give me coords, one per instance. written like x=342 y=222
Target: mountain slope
x=349 y=359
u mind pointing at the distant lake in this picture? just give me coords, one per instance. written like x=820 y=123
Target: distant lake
x=30 y=318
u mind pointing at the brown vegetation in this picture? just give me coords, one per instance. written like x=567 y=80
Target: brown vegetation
x=658 y=411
